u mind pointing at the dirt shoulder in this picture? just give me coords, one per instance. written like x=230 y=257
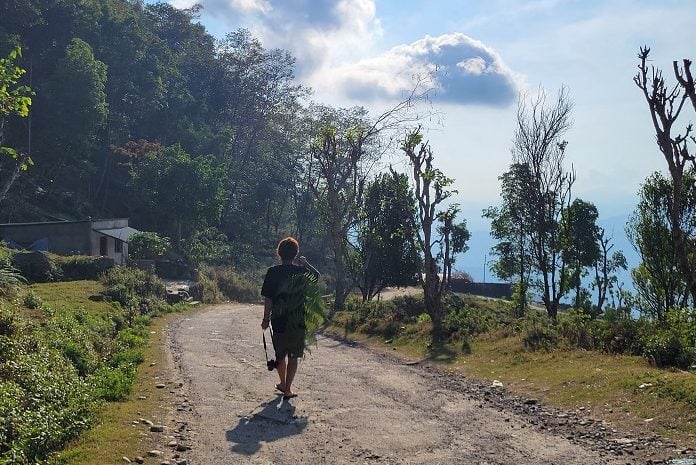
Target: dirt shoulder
x=360 y=406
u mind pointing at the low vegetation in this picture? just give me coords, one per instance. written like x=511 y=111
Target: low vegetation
x=65 y=351
x=624 y=369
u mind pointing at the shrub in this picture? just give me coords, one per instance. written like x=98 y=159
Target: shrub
x=207 y=246
x=36 y=267
x=672 y=342
x=10 y=280
x=114 y=384
x=43 y=401
x=408 y=307
x=575 y=326
x=79 y=267
x=617 y=333
x=32 y=301
x=129 y=285
x=232 y=284
x=147 y=245
x=538 y=331
x=211 y=291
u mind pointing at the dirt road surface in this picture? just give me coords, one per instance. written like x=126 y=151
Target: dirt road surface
x=354 y=406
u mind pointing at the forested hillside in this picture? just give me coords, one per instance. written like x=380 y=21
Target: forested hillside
x=138 y=112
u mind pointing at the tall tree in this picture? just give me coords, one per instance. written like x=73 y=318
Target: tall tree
x=665 y=104
x=385 y=249
x=511 y=226
x=346 y=145
x=73 y=111
x=605 y=268
x=539 y=145
x=176 y=194
x=660 y=284
x=15 y=100
x=579 y=246
x=432 y=188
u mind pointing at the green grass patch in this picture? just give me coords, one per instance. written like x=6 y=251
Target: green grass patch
x=70 y=294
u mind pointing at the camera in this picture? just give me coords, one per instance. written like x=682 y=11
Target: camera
x=271 y=364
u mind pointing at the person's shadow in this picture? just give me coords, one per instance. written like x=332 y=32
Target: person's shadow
x=268 y=422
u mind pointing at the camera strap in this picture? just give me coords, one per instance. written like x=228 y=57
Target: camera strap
x=265 y=350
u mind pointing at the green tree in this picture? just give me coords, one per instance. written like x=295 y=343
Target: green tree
x=432 y=188
x=453 y=239
x=511 y=226
x=605 y=268
x=177 y=194
x=74 y=110
x=538 y=144
x=579 y=245
x=15 y=100
x=660 y=284
x=386 y=253
x=666 y=104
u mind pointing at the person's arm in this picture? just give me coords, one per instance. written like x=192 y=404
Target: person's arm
x=302 y=261
x=267 y=305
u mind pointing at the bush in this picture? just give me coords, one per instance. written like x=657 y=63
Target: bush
x=617 y=333
x=148 y=245
x=43 y=401
x=232 y=284
x=211 y=291
x=80 y=267
x=538 y=331
x=128 y=286
x=36 y=267
x=673 y=342
x=10 y=280
x=575 y=326
x=32 y=301
x=207 y=246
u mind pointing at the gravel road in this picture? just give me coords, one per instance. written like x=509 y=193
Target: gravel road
x=354 y=406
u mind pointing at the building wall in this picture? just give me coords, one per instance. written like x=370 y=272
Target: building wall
x=496 y=290
x=119 y=257
x=65 y=237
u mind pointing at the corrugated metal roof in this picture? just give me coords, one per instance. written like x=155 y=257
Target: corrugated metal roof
x=122 y=234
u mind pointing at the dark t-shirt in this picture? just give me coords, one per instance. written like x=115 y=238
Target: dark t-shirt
x=287 y=311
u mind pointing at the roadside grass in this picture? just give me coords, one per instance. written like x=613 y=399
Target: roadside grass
x=116 y=435
x=624 y=390
x=69 y=294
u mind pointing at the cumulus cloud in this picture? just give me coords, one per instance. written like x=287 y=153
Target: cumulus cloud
x=314 y=31
x=462 y=71
x=331 y=38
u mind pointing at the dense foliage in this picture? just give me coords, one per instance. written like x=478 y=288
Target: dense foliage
x=56 y=367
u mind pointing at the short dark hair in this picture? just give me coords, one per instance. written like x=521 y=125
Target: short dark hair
x=288 y=248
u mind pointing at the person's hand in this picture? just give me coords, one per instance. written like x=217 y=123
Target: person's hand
x=264 y=323
x=302 y=260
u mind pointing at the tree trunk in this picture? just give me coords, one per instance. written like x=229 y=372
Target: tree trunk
x=16 y=171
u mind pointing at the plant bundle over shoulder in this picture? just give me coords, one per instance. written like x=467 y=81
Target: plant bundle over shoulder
x=300 y=302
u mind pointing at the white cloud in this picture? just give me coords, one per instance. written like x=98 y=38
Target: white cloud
x=462 y=70
x=251 y=6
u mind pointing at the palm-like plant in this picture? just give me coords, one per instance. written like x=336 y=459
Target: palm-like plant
x=311 y=312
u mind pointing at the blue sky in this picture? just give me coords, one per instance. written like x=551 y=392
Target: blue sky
x=365 y=51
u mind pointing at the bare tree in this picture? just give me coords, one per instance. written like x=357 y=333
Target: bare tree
x=538 y=144
x=666 y=104
x=346 y=146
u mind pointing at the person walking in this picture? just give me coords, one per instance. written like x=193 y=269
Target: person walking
x=284 y=302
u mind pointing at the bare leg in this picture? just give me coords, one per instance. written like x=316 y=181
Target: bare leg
x=290 y=376
x=281 y=373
